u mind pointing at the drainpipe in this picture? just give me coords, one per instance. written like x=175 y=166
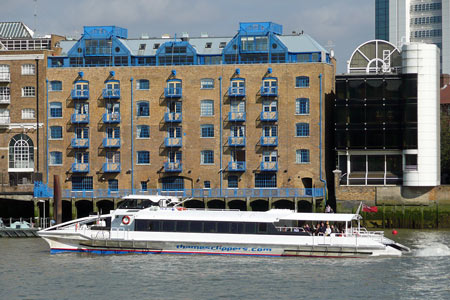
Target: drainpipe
x=46 y=131
x=320 y=137
x=37 y=113
x=132 y=139
x=220 y=133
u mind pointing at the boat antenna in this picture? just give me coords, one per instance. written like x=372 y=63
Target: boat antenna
x=359 y=208
x=179 y=203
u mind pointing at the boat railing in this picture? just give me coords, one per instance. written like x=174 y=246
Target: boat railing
x=118 y=233
x=290 y=229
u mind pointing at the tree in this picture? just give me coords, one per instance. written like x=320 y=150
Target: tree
x=445 y=147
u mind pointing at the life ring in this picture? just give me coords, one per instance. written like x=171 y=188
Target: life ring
x=181 y=208
x=126 y=220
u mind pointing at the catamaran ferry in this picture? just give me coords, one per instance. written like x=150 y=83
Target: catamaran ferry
x=159 y=224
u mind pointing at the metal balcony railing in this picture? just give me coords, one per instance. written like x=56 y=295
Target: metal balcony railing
x=111 y=118
x=80 y=167
x=236 y=91
x=269 y=166
x=173 y=167
x=269 y=91
x=269 y=116
x=111 y=142
x=269 y=141
x=173 y=92
x=80 y=94
x=111 y=93
x=111 y=167
x=236 y=141
x=236 y=116
x=172 y=117
x=80 y=143
x=79 y=118
x=173 y=142
x=237 y=166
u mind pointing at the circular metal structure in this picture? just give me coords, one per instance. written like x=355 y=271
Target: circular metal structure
x=375 y=57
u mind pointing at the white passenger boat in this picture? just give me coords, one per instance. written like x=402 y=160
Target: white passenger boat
x=159 y=224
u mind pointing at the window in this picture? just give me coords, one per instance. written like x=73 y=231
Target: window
x=144 y=186
x=28 y=69
x=156 y=46
x=207 y=130
x=113 y=185
x=411 y=162
x=232 y=182
x=21 y=152
x=266 y=180
x=143 y=84
x=302 y=129
x=28 y=91
x=270 y=156
x=82 y=183
x=302 y=106
x=142 y=47
x=270 y=106
x=55 y=110
x=302 y=156
x=55 y=85
x=5 y=94
x=143 y=131
x=208 y=45
x=143 y=109
x=143 y=157
x=207 y=157
x=206 y=108
x=113 y=132
x=207 y=83
x=270 y=131
x=56 y=133
x=222 y=45
x=207 y=184
x=237 y=131
x=55 y=158
x=302 y=81
x=28 y=114
x=4 y=72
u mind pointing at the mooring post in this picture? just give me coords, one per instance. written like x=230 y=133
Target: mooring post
x=57 y=199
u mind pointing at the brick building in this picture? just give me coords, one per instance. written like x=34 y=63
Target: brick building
x=234 y=122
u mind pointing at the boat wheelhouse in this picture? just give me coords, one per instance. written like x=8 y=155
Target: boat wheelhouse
x=159 y=224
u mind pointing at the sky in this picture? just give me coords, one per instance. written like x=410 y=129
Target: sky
x=342 y=24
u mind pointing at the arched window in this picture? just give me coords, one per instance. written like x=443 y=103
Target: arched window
x=207 y=83
x=21 y=152
x=142 y=84
x=143 y=109
x=302 y=81
x=55 y=85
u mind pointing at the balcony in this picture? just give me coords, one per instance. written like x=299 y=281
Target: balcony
x=80 y=167
x=111 y=93
x=80 y=119
x=173 y=167
x=234 y=141
x=79 y=143
x=236 y=166
x=269 y=141
x=269 y=166
x=236 y=116
x=173 y=142
x=111 y=118
x=269 y=91
x=171 y=117
x=269 y=116
x=5 y=99
x=236 y=91
x=173 y=92
x=111 y=142
x=80 y=94
x=111 y=168
x=5 y=77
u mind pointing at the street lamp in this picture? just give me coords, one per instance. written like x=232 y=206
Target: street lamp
x=43 y=201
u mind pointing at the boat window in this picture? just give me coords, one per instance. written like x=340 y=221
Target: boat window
x=196 y=226
x=136 y=203
x=223 y=227
x=250 y=228
x=182 y=226
x=237 y=228
x=168 y=225
x=262 y=227
x=209 y=227
x=154 y=226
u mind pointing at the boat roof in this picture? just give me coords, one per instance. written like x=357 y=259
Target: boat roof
x=153 y=198
x=271 y=216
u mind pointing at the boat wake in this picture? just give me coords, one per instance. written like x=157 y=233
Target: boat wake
x=435 y=249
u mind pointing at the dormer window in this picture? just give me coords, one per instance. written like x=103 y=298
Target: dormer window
x=156 y=46
x=208 y=45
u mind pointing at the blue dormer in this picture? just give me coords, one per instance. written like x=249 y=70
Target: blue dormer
x=176 y=53
x=260 y=28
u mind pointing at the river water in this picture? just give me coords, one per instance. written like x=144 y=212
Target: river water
x=28 y=271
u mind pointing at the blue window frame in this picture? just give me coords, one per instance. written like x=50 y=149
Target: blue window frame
x=302 y=106
x=82 y=183
x=207 y=83
x=55 y=158
x=143 y=157
x=56 y=132
x=55 y=86
x=232 y=182
x=55 y=110
x=113 y=185
x=302 y=129
x=207 y=157
x=144 y=186
x=207 y=130
x=302 y=156
x=302 y=81
x=143 y=131
x=143 y=84
x=143 y=109
x=173 y=183
x=206 y=108
x=207 y=184
x=113 y=132
x=266 y=180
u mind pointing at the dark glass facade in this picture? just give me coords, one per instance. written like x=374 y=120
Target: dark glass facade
x=382 y=20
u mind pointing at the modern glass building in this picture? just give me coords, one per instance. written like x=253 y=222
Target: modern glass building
x=382 y=20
